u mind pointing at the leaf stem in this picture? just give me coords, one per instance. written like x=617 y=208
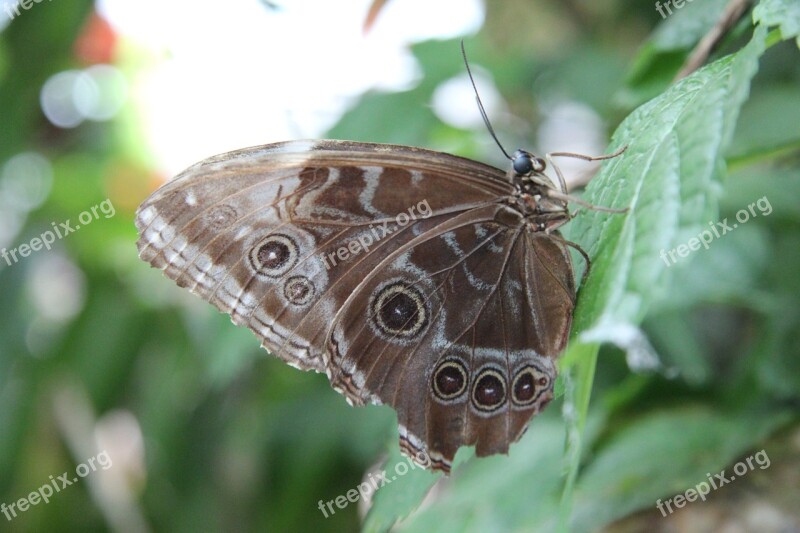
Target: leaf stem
x=732 y=13
x=576 y=408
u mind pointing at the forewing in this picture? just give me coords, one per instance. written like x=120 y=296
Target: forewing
x=256 y=232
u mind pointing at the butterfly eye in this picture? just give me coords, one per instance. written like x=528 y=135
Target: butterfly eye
x=522 y=162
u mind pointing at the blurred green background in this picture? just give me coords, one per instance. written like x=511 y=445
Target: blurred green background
x=100 y=353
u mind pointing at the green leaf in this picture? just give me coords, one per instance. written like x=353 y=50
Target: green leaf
x=664 y=454
x=685 y=26
x=668 y=179
x=501 y=493
x=401 y=495
x=652 y=457
x=660 y=58
x=782 y=13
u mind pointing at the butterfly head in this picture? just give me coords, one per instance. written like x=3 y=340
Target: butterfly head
x=525 y=162
x=527 y=172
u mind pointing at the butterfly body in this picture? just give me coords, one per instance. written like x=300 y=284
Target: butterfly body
x=429 y=282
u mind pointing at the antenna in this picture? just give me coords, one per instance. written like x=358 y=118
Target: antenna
x=480 y=104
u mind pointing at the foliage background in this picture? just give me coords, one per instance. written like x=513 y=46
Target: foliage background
x=207 y=433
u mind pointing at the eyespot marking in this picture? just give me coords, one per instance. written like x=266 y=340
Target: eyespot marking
x=299 y=290
x=220 y=217
x=398 y=310
x=449 y=380
x=489 y=391
x=531 y=384
x=274 y=255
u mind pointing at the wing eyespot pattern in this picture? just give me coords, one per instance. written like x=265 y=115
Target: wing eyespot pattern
x=449 y=381
x=299 y=290
x=489 y=391
x=530 y=384
x=274 y=255
x=398 y=311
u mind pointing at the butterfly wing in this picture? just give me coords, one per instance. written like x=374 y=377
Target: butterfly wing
x=323 y=248
x=298 y=202
x=458 y=330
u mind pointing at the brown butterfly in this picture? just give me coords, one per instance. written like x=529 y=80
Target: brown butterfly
x=426 y=281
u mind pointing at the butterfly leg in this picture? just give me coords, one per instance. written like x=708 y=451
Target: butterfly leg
x=563 y=196
x=574 y=199
x=581 y=251
x=587 y=157
x=562 y=182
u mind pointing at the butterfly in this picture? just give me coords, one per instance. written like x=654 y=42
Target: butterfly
x=429 y=282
